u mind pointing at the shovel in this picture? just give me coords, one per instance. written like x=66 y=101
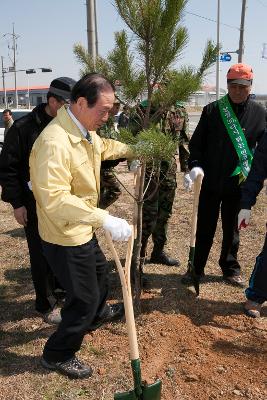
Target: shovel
x=141 y=391
x=191 y=267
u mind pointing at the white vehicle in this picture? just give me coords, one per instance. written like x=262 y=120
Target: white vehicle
x=16 y=114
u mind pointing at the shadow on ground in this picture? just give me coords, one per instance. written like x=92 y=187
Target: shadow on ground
x=165 y=294
x=15 y=233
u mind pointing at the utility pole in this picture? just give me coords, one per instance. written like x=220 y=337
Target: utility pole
x=241 y=37
x=91 y=28
x=14 y=66
x=96 y=32
x=3 y=77
x=218 y=55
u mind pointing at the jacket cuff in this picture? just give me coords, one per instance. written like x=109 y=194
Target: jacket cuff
x=96 y=219
x=16 y=203
x=244 y=205
x=193 y=164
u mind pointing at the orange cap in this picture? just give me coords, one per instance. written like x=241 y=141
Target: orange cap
x=240 y=73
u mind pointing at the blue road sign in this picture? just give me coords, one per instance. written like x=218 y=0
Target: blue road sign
x=225 y=57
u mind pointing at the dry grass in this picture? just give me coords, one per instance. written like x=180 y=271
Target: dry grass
x=201 y=348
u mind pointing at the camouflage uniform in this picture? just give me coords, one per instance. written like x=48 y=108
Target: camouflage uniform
x=158 y=208
x=109 y=186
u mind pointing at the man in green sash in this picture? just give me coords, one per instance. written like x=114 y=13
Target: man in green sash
x=221 y=149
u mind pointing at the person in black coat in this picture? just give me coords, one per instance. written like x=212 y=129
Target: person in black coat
x=256 y=293
x=213 y=155
x=16 y=189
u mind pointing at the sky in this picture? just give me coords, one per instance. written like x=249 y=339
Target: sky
x=47 y=31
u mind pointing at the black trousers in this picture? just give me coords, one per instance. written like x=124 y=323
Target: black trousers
x=210 y=204
x=42 y=276
x=257 y=290
x=82 y=271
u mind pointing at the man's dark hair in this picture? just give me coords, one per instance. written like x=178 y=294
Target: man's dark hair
x=89 y=86
x=7 y=110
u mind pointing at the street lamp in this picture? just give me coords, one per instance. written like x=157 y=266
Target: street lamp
x=33 y=71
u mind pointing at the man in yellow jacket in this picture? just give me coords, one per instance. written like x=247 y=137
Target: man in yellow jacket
x=65 y=176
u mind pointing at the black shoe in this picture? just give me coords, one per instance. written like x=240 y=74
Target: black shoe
x=252 y=308
x=162 y=258
x=235 y=280
x=112 y=312
x=73 y=368
x=188 y=280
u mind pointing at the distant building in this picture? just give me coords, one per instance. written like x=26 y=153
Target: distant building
x=207 y=94
x=37 y=96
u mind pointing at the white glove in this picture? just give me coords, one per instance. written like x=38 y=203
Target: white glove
x=117 y=227
x=243 y=218
x=187 y=182
x=195 y=172
x=134 y=165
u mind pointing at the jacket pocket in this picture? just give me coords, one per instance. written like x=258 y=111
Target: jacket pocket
x=84 y=180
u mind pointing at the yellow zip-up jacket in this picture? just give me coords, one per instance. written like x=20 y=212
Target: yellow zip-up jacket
x=65 y=177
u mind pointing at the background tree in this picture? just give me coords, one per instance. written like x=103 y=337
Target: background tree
x=145 y=64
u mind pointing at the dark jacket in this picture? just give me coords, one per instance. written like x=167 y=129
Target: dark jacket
x=14 y=158
x=257 y=175
x=211 y=147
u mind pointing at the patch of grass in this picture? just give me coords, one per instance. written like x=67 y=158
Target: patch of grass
x=176 y=331
x=67 y=394
x=95 y=351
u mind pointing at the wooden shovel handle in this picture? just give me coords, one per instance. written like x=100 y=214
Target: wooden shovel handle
x=197 y=188
x=126 y=291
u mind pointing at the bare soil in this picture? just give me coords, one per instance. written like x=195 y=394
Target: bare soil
x=201 y=348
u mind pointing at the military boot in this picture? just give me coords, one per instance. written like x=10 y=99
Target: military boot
x=160 y=257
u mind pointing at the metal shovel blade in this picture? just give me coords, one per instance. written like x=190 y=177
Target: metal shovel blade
x=191 y=269
x=195 y=278
x=125 y=396
x=149 y=392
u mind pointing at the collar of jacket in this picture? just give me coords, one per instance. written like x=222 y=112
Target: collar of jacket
x=40 y=115
x=70 y=127
x=240 y=106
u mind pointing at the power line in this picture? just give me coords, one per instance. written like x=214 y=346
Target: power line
x=212 y=20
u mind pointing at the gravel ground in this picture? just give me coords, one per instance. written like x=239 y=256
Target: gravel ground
x=201 y=348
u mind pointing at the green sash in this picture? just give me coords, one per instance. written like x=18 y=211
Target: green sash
x=237 y=137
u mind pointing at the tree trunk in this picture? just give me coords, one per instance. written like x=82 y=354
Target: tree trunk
x=136 y=272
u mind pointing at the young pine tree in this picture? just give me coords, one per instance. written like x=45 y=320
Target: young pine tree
x=144 y=60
